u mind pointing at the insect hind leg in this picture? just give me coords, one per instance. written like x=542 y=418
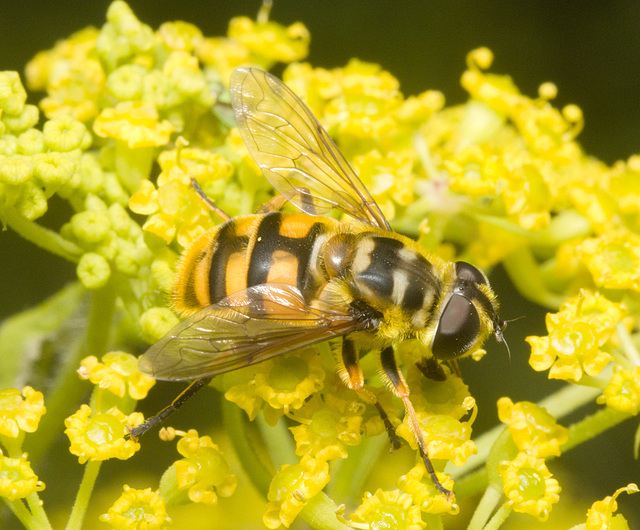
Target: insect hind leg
x=136 y=432
x=277 y=202
x=208 y=202
x=401 y=390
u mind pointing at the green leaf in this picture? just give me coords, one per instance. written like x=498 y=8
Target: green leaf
x=24 y=337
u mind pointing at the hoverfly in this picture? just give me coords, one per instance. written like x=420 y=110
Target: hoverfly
x=263 y=285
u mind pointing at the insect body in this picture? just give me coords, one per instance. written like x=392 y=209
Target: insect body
x=260 y=286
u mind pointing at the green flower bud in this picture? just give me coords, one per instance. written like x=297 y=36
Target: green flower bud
x=90 y=227
x=93 y=271
x=54 y=168
x=8 y=145
x=12 y=94
x=127 y=82
x=30 y=142
x=32 y=203
x=20 y=122
x=15 y=169
x=65 y=134
x=156 y=323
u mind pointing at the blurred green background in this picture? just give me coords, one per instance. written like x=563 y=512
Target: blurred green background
x=591 y=50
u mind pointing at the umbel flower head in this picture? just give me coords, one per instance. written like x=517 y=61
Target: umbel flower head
x=17 y=479
x=18 y=413
x=203 y=472
x=101 y=435
x=137 y=509
x=528 y=485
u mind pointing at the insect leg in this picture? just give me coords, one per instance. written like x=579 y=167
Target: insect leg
x=401 y=390
x=209 y=203
x=353 y=378
x=277 y=202
x=152 y=421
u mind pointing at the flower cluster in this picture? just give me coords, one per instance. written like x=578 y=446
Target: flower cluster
x=134 y=116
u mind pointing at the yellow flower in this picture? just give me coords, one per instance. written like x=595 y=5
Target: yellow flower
x=424 y=493
x=277 y=386
x=577 y=334
x=388 y=509
x=446 y=437
x=269 y=41
x=19 y=413
x=118 y=372
x=137 y=509
x=623 y=391
x=204 y=471
x=438 y=397
x=134 y=122
x=180 y=35
x=528 y=485
x=72 y=76
x=601 y=514
x=613 y=259
x=532 y=428
x=13 y=96
x=17 y=479
x=292 y=487
x=327 y=427
x=101 y=435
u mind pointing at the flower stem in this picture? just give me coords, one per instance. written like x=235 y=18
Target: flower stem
x=84 y=495
x=525 y=275
x=21 y=512
x=348 y=481
x=593 y=425
x=499 y=517
x=559 y=404
x=320 y=513
x=487 y=504
x=37 y=511
x=278 y=442
x=41 y=236
x=66 y=390
x=254 y=467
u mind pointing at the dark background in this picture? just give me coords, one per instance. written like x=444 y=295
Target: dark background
x=590 y=50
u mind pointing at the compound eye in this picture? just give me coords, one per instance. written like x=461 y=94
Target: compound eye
x=468 y=272
x=458 y=329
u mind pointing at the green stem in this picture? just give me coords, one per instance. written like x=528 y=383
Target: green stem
x=593 y=425
x=499 y=517
x=278 y=442
x=525 y=275
x=133 y=165
x=348 y=481
x=40 y=236
x=235 y=425
x=485 y=507
x=629 y=348
x=320 y=513
x=84 y=495
x=67 y=391
x=21 y=512
x=559 y=404
x=37 y=511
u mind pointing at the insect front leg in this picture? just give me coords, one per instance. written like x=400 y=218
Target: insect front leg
x=401 y=390
x=353 y=378
x=137 y=431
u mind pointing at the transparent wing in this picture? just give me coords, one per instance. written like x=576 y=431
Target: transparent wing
x=245 y=328
x=295 y=153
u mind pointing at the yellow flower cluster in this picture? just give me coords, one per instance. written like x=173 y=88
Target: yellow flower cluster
x=135 y=115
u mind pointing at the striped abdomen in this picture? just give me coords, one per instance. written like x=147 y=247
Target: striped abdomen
x=251 y=250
